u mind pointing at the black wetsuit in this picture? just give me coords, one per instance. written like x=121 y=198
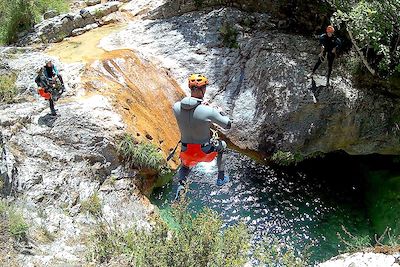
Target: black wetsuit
x=329 y=43
x=51 y=72
x=42 y=80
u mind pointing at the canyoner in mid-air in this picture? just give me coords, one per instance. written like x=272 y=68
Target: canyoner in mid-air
x=51 y=85
x=198 y=143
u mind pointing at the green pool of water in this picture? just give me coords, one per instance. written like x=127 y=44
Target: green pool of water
x=301 y=206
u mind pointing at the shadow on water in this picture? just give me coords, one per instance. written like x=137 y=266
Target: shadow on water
x=301 y=206
x=47 y=120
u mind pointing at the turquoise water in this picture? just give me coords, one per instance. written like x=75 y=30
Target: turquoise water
x=301 y=206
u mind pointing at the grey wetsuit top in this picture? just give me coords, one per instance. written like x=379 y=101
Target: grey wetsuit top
x=194 y=120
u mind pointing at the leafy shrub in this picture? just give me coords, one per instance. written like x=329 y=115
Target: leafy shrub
x=20 y=15
x=188 y=240
x=92 y=205
x=270 y=252
x=198 y=3
x=375 y=29
x=354 y=243
x=286 y=158
x=386 y=243
x=199 y=241
x=229 y=35
x=141 y=155
x=8 y=89
x=17 y=225
x=12 y=222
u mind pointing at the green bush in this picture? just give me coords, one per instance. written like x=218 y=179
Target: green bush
x=229 y=35
x=198 y=241
x=273 y=253
x=141 y=155
x=8 y=90
x=354 y=243
x=20 y=15
x=92 y=205
x=13 y=221
x=187 y=240
x=387 y=240
x=199 y=3
x=17 y=225
x=375 y=29
x=286 y=158
x=3 y=208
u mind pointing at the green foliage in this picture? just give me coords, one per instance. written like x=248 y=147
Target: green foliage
x=387 y=242
x=20 y=15
x=376 y=30
x=141 y=155
x=17 y=225
x=286 y=158
x=92 y=205
x=198 y=3
x=272 y=253
x=8 y=89
x=354 y=243
x=199 y=241
x=13 y=221
x=229 y=35
x=3 y=208
x=388 y=239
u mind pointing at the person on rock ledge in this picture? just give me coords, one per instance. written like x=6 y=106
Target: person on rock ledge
x=329 y=45
x=194 y=118
x=49 y=88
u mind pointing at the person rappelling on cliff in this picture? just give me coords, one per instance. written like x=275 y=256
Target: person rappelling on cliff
x=49 y=87
x=197 y=143
x=329 y=45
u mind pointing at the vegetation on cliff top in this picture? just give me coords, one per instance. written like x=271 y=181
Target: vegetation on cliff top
x=374 y=29
x=191 y=240
x=20 y=15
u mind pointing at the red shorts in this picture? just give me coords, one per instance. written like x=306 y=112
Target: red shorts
x=42 y=93
x=194 y=155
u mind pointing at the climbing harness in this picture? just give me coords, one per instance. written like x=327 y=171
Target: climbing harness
x=214 y=137
x=53 y=91
x=194 y=154
x=322 y=58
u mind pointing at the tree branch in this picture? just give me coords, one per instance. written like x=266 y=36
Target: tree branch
x=363 y=59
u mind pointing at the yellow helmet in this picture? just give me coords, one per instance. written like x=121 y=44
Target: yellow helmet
x=197 y=80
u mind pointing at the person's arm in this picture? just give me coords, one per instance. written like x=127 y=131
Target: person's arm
x=55 y=70
x=44 y=73
x=222 y=121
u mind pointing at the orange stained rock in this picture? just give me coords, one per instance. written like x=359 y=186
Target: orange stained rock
x=82 y=48
x=142 y=94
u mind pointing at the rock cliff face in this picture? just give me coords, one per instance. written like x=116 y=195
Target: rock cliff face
x=51 y=166
x=292 y=15
x=262 y=83
x=363 y=259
